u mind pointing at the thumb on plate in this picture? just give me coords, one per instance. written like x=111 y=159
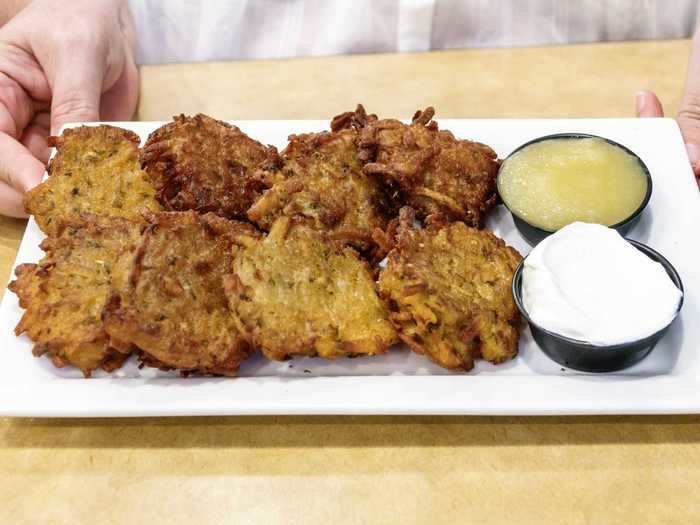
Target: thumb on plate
x=11 y=203
x=19 y=172
x=647 y=104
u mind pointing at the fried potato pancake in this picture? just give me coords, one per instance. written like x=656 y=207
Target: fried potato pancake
x=95 y=170
x=335 y=150
x=297 y=293
x=322 y=181
x=434 y=172
x=202 y=164
x=64 y=293
x=449 y=289
x=173 y=306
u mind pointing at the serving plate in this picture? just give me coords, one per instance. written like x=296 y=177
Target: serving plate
x=400 y=382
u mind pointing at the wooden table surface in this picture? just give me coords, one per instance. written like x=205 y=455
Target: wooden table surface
x=371 y=469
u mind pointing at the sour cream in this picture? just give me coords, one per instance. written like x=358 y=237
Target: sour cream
x=587 y=283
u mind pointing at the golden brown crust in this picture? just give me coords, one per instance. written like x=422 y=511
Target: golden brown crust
x=432 y=171
x=202 y=164
x=173 y=306
x=64 y=293
x=95 y=170
x=297 y=293
x=449 y=289
x=193 y=291
x=357 y=119
x=322 y=182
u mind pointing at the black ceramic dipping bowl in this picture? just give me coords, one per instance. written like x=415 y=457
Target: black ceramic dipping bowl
x=534 y=235
x=587 y=357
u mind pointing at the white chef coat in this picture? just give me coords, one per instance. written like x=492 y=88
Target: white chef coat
x=200 y=30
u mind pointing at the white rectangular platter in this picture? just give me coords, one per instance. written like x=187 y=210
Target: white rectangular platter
x=400 y=382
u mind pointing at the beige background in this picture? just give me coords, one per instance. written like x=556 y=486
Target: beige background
x=365 y=469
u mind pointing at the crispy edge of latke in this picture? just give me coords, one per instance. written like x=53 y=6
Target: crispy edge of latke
x=124 y=324
x=357 y=119
x=85 y=133
x=151 y=150
x=408 y=185
x=112 y=358
x=55 y=166
x=161 y=164
x=404 y=231
x=372 y=243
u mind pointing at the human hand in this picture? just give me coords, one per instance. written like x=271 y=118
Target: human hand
x=59 y=62
x=648 y=105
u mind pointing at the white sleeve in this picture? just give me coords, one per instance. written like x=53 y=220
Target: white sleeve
x=486 y=23
x=195 y=30
x=199 y=30
x=415 y=25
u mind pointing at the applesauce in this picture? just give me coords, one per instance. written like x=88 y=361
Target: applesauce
x=557 y=181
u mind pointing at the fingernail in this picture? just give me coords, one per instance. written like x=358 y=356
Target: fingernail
x=693 y=153
x=639 y=99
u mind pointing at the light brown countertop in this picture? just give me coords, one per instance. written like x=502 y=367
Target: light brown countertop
x=371 y=469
